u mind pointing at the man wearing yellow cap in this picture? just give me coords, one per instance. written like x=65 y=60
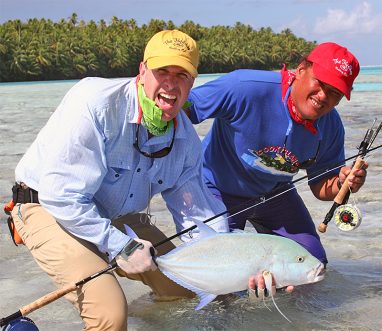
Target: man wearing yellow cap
x=109 y=147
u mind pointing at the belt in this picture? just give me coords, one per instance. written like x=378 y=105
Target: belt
x=24 y=194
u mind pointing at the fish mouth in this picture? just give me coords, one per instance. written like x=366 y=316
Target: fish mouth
x=317 y=274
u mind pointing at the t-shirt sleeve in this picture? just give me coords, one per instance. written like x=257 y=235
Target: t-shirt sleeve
x=214 y=99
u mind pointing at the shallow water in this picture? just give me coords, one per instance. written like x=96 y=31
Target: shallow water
x=349 y=298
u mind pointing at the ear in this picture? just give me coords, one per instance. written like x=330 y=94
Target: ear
x=142 y=72
x=300 y=70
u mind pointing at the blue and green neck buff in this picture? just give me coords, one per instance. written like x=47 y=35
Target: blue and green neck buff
x=152 y=114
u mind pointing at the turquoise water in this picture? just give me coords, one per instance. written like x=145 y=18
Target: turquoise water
x=370 y=79
x=349 y=298
x=371 y=70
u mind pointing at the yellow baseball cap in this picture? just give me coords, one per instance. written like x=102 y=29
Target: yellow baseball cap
x=172 y=48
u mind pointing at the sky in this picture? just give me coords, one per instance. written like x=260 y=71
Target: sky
x=354 y=24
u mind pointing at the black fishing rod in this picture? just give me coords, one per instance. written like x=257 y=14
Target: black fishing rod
x=50 y=297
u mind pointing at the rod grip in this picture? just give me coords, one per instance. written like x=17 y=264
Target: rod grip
x=359 y=163
x=46 y=299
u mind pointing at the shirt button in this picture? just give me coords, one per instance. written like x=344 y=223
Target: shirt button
x=116 y=175
x=160 y=181
x=139 y=170
x=131 y=195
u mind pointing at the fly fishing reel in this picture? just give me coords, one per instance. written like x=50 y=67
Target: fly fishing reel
x=347 y=217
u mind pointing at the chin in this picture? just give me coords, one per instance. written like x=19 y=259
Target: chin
x=311 y=116
x=167 y=118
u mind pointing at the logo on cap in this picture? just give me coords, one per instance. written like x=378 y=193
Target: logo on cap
x=343 y=67
x=178 y=44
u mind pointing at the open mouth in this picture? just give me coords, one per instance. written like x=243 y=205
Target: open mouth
x=317 y=274
x=315 y=103
x=166 y=100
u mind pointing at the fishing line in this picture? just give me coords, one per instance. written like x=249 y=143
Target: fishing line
x=285 y=191
x=316 y=174
x=279 y=194
x=263 y=199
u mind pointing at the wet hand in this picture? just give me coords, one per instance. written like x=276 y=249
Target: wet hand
x=139 y=260
x=355 y=179
x=257 y=289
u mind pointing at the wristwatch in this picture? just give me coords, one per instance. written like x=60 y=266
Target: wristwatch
x=130 y=248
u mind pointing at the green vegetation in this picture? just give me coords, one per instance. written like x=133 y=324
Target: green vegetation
x=41 y=49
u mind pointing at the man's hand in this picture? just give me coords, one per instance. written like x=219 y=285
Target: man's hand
x=356 y=179
x=257 y=289
x=137 y=260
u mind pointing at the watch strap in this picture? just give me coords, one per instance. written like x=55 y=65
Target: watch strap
x=130 y=248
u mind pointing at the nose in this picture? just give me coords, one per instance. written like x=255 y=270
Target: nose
x=171 y=81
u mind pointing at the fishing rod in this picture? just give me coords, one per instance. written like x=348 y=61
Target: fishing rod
x=50 y=297
x=271 y=194
x=348 y=217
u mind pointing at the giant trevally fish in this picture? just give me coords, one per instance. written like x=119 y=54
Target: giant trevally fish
x=220 y=263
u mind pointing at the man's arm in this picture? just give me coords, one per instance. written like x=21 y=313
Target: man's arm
x=74 y=171
x=327 y=188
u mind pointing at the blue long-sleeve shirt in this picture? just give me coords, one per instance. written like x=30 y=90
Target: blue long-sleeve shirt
x=87 y=172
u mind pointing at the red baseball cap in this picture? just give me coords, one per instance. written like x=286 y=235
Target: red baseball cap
x=334 y=65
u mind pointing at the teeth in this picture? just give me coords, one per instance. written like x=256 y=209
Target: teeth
x=167 y=96
x=315 y=103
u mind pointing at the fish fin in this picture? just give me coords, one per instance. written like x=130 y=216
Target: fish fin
x=130 y=232
x=204 y=229
x=268 y=284
x=204 y=297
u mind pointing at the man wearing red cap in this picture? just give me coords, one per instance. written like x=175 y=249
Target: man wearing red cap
x=267 y=126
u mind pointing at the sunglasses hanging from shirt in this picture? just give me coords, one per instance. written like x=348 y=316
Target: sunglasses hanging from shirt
x=158 y=154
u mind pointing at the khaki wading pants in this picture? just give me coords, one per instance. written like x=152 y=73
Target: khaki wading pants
x=68 y=259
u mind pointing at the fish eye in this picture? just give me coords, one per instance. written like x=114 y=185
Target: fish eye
x=300 y=259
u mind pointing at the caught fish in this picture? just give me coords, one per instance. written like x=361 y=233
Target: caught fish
x=220 y=263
